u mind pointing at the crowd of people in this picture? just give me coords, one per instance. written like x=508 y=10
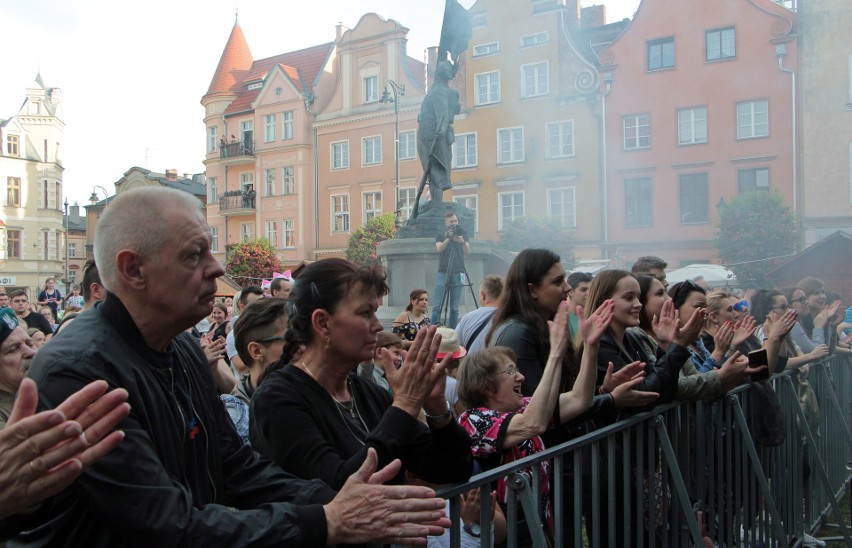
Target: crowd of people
x=290 y=415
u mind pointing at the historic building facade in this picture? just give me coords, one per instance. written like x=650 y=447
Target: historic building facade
x=32 y=241
x=699 y=106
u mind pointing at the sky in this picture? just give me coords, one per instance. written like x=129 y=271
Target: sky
x=132 y=74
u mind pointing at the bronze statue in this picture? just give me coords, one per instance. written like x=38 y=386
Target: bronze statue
x=435 y=135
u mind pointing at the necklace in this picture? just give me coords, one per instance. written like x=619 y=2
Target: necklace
x=351 y=408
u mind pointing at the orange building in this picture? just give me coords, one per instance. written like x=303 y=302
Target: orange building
x=699 y=107
x=300 y=146
x=528 y=136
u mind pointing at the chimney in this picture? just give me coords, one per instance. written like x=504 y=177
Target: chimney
x=74 y=213
x=339 y=30
x=171 y=175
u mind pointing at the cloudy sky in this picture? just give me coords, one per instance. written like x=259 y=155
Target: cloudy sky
x=132 y=73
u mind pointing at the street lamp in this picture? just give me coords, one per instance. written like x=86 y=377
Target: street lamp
x=93 y=199
x=398 y=91
x=67 y=281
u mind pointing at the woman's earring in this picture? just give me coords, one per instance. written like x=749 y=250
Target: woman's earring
x=327 y=343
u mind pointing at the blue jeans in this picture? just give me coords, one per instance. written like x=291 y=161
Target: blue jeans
x=444 y=281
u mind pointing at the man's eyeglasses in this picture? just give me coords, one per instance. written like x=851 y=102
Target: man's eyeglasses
x=781 y=307
x=800 y=300
x=272 y=339
x=741 y=306
x=512 y=370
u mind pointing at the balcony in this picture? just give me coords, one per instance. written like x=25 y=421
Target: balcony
x=236 y=151
x=237 y=202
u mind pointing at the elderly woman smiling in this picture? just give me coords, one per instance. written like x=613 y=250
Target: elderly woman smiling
x=503 y=424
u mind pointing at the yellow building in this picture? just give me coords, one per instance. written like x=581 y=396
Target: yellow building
x=32 y=242
x=528 y=136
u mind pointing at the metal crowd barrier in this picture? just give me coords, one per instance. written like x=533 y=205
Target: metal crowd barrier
x=688 y=474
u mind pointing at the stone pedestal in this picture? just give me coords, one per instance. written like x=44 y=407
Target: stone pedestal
x=412 y=264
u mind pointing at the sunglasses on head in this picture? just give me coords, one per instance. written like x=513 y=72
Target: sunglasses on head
x=689 y=285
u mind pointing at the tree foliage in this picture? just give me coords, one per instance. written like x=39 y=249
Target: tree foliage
x=754 y=227
x=538 y=232
x=363 y=242
x=249 y=262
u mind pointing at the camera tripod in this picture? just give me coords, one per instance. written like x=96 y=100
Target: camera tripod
x=455 y=255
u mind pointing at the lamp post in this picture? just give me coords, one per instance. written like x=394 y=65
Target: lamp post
x=67 y=281
x=398 y=91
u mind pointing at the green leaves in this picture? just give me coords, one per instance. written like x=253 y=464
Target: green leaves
x=754 y=227
x=250 y=262
x=538 y=232
x=363 y=242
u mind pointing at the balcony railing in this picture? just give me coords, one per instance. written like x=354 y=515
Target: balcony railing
x=235 y=149
x=237 y=201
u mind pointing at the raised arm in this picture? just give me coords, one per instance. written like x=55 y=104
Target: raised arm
x=580 y=397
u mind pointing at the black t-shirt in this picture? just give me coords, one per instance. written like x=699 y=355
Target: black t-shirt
x=454 y=249
x=34 y=319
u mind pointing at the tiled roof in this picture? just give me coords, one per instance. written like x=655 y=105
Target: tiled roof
x=301 y=67
x=234 y=64
x=416 y=70
x=243 y=102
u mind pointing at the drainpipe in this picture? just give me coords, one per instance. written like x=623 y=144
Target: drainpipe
x=604 y=185
x=781 y=53
x=308 y=100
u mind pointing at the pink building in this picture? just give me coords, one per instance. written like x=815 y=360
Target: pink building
x=300 y=146
x=698 y=107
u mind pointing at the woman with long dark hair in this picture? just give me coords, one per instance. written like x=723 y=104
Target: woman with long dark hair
x=316 y=418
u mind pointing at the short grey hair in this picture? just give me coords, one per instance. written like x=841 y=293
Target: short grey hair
x=134 y=220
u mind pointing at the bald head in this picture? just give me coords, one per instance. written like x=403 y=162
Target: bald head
x=135 y=220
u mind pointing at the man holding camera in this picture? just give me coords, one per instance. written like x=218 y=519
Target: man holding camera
x=452 y=246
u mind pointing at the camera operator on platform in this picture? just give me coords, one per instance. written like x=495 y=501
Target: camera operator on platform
x=452 y=246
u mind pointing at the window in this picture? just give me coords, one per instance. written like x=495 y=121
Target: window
x=464 y=150
x=486 y=49
x=212 y=141
x=692 y=126
x=12 y=145
x=534 y=79
x=269 y=185
x=340 y=213
x=212 y=191
x=511 y=208
x=288 y=180
x=13 y=244
x=372 y=147
x=72 y=251
x=287 y=125
x=535 y=39
x=289 y=233
x=371 y=89
x=510 y=142
x=340 y=155
x=472 y=203
x=487 y=88
x=693 y=198
x=562 y=206
x=372 y=205
x=272 y=233
x=46 y=245
x=637 y=201
x=720 y=44
x=661 y=53
x=752 y=119
x=246 y=181
x=214 y=238
x=637 y=131
x=247 y=132
x=268 y=128
x=13 y=192
x=407 y=145
x=246 y=232
x=72 y=276
x=560 y=139
x=753 y=179
x=406 y=201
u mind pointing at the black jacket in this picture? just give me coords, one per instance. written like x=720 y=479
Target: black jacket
x=296 y=423
x=138 y=494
